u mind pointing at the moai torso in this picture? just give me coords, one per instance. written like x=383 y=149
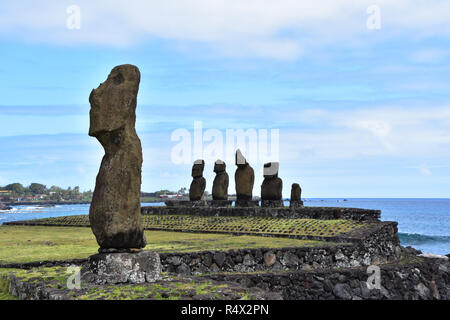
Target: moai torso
x=272 y=186
x=296 y=192
x=198 y=184
x=220 y=184
x=244 y=178
x=115 y=212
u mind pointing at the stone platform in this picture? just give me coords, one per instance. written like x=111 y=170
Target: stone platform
x=323 y=213
x=186 y=203
x=219 y=203
x=296 y=204
x=122 y=267
x=272 y=203
x=246 y=203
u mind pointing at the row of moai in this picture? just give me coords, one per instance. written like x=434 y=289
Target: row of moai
x=271 y=188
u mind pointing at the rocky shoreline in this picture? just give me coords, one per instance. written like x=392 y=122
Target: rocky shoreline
x=4 y=206
x=42 y=203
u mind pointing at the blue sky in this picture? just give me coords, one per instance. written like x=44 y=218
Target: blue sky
x=361 y=112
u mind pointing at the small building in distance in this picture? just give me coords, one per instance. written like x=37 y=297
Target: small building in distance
x=171 y=196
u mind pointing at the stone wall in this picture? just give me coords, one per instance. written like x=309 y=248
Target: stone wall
x=325 y=213
x=420 y=280
x=380 y=246
x=32 y=291
x=411 y=279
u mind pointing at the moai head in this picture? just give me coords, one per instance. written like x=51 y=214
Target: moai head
x=219 y=166
x=197 y=168
x=113 y=103
x=271 y=169
x=240 y=160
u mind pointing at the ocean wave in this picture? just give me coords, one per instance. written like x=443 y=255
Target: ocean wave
x=415 y=238
x=32 y=208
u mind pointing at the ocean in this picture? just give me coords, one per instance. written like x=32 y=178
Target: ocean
x=422 y=223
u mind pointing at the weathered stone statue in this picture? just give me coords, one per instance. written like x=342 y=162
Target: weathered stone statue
x=272 y=186
x=244 y=179
x=115 y=212
x=296 y=196
x=220 y=184
x=198 y=185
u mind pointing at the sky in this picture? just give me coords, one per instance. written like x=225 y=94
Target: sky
x=358 y=91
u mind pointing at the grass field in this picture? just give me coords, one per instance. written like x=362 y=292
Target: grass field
x=234 y=225
x=19 y=244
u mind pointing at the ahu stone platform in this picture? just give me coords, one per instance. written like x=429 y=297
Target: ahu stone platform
x=324 y=213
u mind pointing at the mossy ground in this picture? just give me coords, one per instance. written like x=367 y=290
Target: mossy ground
x=4 y=293
x=19 y=244
x=234 y=225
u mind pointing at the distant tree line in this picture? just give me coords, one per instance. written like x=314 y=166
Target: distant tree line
x=38 y=191
x=156 y=194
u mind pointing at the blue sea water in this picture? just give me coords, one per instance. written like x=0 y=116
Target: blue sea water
x=422 y=223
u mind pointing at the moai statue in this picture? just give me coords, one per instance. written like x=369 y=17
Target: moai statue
x=115 y=212
x=198 y=185
x=272 y=186
x=296 y=196
x=220 y=184
x=244 y=179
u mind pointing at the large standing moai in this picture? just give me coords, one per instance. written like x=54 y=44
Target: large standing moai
x=244 y=179
x=115 y=212
x=220 y=184
x=296 y=196
x=272 y=186
x=198 y=185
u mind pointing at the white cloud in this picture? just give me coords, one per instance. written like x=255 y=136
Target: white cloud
x=271 y=28
x=426 y=172
x=429 y=55
x=394 y=131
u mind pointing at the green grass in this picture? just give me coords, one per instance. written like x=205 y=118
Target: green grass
x=4 y=293
x=234 y=225
x=173 y=290
x=19 y=244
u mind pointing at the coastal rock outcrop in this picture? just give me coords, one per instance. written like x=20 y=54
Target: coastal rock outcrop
x=220 y=184
x=4 y=207
x=115 y=212
x=198 y=185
